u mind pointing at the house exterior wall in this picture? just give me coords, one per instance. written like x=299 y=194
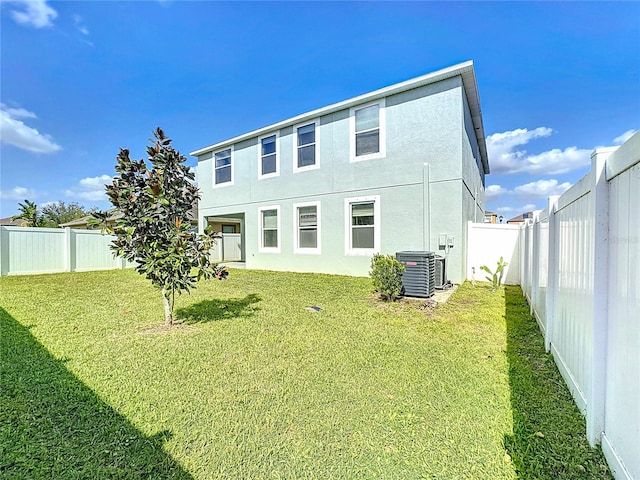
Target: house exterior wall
x=472 y=189
x=428 y=183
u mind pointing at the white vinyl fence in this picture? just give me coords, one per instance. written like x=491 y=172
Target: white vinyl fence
x=579 y=267
x=486 y=243
x=227 y=248
x=25 y=250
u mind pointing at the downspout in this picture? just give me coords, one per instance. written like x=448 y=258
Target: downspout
x=426 y=208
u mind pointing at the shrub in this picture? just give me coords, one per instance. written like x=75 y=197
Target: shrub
x=386 y=274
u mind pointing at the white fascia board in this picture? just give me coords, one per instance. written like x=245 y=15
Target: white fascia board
x=465 y=70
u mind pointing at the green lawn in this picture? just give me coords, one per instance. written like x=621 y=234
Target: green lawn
x=255 y=386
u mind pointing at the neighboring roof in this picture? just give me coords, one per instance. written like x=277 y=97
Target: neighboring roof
x=520 y=218
x=192 y=216
x=9 y=222
x=85 y=220
x=465 y=70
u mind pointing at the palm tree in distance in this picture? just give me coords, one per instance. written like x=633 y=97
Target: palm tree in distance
x=29 y=213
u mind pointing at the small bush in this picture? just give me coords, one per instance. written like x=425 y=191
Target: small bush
x=386 y=274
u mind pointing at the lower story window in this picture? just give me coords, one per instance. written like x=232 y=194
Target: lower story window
x=270 y=229
x=362 y=225
x=307 y=227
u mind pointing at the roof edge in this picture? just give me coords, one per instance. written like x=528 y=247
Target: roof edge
x=464 y=69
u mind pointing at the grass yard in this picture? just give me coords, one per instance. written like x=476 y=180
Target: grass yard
x=254 y=386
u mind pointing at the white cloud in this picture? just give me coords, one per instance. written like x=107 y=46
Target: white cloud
x=494 y=191
x=513 y=138
x=14 y=131
x=90 y=188
x=33 y=13
x=79 y=23
x=514 y=211
x=533 y=190
x=18 y=112
x=624 y=137
x=504 y=157
x=542 y=189
x=18 y=193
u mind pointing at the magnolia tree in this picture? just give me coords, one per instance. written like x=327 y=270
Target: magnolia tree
x=154 y=231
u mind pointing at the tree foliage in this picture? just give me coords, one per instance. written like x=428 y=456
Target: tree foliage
x=51 y=215
x=29 y=212
x=154 y=231
x=57 y=213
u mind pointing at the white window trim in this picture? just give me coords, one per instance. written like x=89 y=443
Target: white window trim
x=261 y=248
x=296 y=237
x=376 y=224
x=225 y=184
x=382 y=126
x=277 y=172
x=316 y=165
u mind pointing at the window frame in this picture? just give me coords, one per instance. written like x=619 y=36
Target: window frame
x=215 y=169
x=317 y=250
x=316 y=165
x=260 y=156
x=348 y=237
x=261 y=247
x=382 y=129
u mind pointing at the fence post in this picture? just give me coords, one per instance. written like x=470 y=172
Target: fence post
x=525 y=276
x=4 y=251
x=600 y=281
x=521 y=234
x=470 y=251
x=68 y=250
x=535 y=260
x=528 y=252
x=552 y=272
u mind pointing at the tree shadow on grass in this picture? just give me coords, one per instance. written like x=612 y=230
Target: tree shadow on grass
x=54 y=426
x=214 y=310
x=549 y=433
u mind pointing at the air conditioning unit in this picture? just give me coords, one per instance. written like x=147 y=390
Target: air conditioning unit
x=419 y=276
x=441 y=273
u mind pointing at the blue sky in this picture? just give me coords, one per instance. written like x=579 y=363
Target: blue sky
x=81 y=79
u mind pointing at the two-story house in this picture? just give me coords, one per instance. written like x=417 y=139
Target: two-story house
x=400 y=168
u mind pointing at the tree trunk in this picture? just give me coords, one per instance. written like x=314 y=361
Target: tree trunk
x=168 y=308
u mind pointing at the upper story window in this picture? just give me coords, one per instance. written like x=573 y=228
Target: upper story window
x=269 y=229
x=367 y=125
x=305 y=155
x=223 y=168
x=307 y=227
x=362 y=225
x=269 y=163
